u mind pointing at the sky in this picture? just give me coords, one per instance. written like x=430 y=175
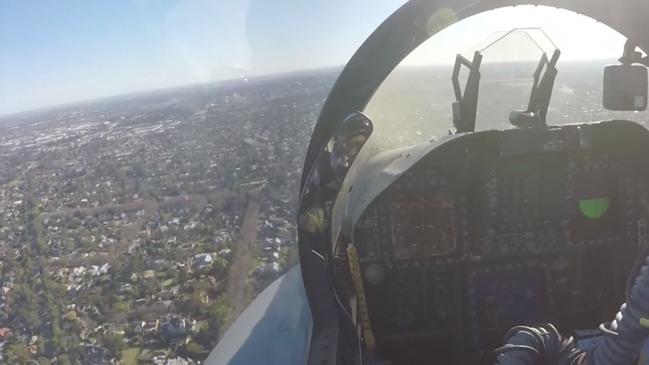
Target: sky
x=54 y=52
x=577 y=36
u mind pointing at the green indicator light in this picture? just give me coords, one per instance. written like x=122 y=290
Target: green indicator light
x=594 y=208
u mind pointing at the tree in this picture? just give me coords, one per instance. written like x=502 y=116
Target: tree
x=70 y=316
x=135 y=264
x=195 y=350
x=114 y=343
x=40 y=343
x=27 y=309
x=219 y=267
x=189 y=304
x=58 y=342
x=182 y=275
x=17 y=354
x=220 y=309
x=64 y=360
x=121 y=307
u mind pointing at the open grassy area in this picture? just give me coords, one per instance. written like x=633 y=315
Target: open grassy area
x=129 y=357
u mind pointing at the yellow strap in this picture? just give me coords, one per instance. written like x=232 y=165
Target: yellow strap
x=357 y=280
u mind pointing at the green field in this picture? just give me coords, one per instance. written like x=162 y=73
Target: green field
x=129 y=357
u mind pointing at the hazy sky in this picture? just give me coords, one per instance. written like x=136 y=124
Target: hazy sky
x=52 y=52
x=578 y=37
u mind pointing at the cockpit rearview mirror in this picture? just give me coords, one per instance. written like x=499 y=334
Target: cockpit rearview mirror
x=625 y=87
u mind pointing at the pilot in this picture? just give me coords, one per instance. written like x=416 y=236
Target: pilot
x=348 y=140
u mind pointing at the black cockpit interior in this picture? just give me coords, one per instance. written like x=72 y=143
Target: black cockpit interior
x=511 y=245
x=500 y=228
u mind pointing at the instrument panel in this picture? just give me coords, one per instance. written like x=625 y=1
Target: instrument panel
x=426 y=225
x=504 y=228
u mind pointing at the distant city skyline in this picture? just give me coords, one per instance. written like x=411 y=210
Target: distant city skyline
x=62 y=52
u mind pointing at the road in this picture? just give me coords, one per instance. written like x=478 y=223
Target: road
x=237 y=286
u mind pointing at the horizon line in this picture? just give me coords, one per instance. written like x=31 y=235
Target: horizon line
x=254 y=77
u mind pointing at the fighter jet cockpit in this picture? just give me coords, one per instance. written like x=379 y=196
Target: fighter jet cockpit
x=475 y=191
x=467 y=213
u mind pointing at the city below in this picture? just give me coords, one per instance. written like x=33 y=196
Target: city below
x=136 y=229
